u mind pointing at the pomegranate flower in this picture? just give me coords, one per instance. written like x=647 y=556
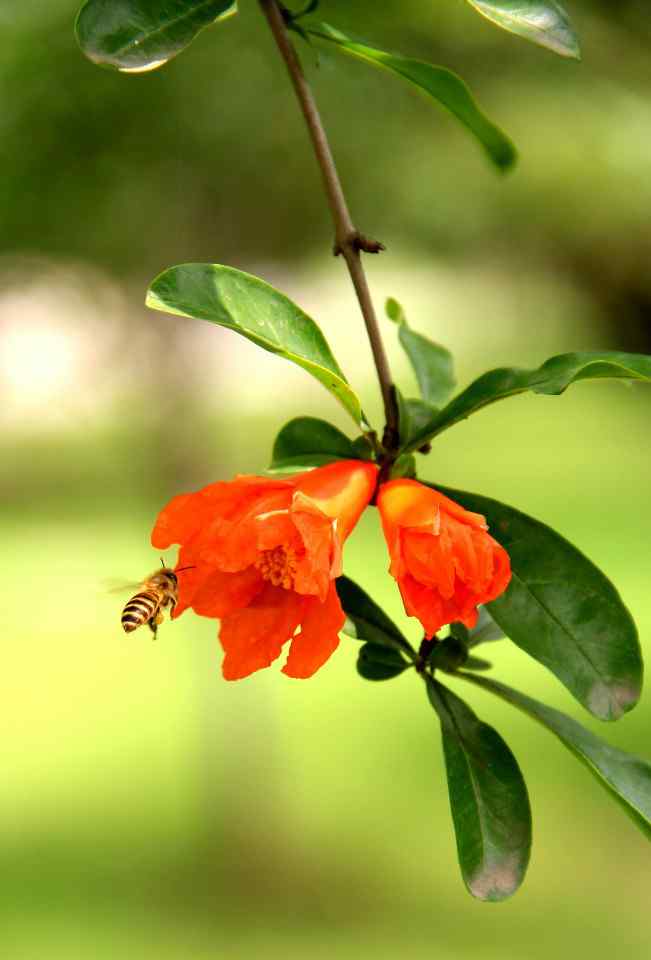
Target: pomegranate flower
x=444 y=559
x=265 y=553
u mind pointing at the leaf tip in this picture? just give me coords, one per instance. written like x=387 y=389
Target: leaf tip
x=395 y=312
x=610 y=702
x=498 y=881
x=506 y=159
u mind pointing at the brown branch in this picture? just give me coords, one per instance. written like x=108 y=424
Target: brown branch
x=349 y=242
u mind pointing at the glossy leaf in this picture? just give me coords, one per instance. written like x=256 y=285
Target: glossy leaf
x=441 y=84
x=552 y=378
x=488 y=798
x=257 y=311
x=626 y=777
x=376 y=662
x=135 y=36
x=309 y=442
x=367 y=621
x=542 y=21
x=432 y=363
x=563 y=611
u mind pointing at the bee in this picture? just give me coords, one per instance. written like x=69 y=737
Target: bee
x=159 y=591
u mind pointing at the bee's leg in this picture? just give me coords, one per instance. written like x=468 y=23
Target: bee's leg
x=155 y=622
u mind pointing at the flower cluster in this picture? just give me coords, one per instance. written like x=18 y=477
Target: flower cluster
x=263 y=555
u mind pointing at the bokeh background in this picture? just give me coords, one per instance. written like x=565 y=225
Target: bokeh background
x=147 y=808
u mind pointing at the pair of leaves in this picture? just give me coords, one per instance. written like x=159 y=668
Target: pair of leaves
x=385 y=653
x=627 y=778
x=488 y=796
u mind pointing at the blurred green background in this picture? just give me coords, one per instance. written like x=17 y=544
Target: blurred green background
x=147 y=808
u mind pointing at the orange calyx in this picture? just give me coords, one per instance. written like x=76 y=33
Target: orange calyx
x=279 y=566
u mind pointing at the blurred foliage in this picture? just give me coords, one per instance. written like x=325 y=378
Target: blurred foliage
x=166 y=159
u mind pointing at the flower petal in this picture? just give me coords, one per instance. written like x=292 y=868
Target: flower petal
x=252 y=638
x=174 y=523
x=340 y=490
x=314 y=568
x=221 y=594
x=318 y=638
x=424 y=603
x=429 y=560
x=230 y=542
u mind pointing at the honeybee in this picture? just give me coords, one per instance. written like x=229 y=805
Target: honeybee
x=159 y=591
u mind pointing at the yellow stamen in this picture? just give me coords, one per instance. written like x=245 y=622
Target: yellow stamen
x=279 y=566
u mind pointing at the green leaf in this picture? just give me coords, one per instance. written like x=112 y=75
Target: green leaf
x=485 y=630
x=135 y=36
x=368 y=622
x=478 y=663
x=488 y=797
x=432 y=363
x=376 y=662
x=257 y=311
x=563 y=611
x=452 y=653
x=414 y=415
x=449 y=655
x=395 y=311
x=309 y=442
x=403 y=467
x=552 y=379
x=626 y=777
x=363 y=448
x=444 y=86
x=542 y=21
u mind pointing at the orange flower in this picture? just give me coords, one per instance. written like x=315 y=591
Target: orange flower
x=265 y=554
x=444 y=559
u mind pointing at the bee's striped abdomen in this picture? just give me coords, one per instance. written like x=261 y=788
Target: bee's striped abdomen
x=140 y=609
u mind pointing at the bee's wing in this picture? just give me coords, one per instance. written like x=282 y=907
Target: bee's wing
x=113 y=585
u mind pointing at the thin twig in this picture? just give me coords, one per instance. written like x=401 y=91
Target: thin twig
x=349 y=242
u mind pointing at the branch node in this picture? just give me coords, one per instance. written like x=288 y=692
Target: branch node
x=360 y=243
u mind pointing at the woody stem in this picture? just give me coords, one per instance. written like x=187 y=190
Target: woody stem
x=349 y=242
